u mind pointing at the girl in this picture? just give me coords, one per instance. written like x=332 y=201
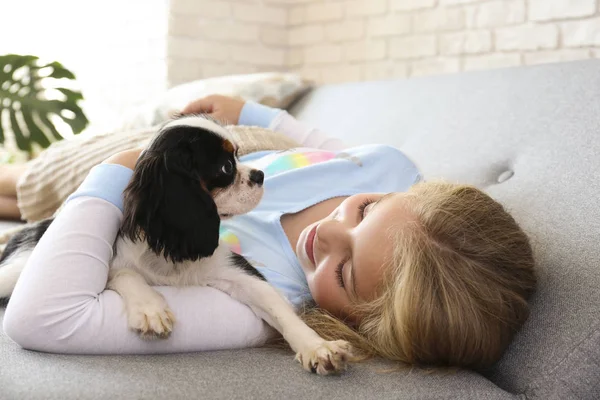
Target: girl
x=423 y=273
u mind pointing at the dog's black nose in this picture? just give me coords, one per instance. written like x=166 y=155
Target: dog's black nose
x=257 y=176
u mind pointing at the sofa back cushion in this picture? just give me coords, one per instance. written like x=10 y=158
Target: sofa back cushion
x=531 y=138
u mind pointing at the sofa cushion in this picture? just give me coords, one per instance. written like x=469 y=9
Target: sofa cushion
x=529 y=137
x=239 y=374
x=274 y=89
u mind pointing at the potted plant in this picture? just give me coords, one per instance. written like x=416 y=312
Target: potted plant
x=32 y=96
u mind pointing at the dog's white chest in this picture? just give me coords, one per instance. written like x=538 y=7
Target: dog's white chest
x=158 y=271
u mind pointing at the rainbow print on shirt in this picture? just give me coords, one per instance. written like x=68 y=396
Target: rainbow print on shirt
x=234 y=244
x=231 y=240
x=294 y=160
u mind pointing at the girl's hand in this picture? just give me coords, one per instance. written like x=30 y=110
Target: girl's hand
x=223 y=108
x=126 y=158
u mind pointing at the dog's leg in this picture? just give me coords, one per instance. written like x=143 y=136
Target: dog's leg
x=313 y=352
x=147 y=311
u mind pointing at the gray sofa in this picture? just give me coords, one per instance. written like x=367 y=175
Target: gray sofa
x=529 y=136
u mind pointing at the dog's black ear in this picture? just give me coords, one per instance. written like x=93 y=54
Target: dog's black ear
x=166 y=205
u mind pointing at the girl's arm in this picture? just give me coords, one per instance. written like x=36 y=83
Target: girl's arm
x=280 y=121
x=59 y=304
x=249 y=113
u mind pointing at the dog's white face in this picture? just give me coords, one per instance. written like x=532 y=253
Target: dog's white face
x=242 y=195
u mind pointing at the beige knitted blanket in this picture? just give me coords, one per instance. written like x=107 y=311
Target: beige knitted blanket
x=59 y=170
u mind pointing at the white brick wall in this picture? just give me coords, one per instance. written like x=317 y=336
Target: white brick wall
x=338 y=40
x=350 y=40
x=323 y=54
x=468 y=42
x=414 y=46
x=408 y=5
x=357 y=8
x=495 y=14
x=389 y=25
x=323 y=11
x=365 y=50
x=545 y=10
x=491 y=60
x=581 y=33
x=527 y=37
x=439 y=20
x=219 y=37
x=346 y=30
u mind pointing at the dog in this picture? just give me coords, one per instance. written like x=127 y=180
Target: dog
x=184 y=183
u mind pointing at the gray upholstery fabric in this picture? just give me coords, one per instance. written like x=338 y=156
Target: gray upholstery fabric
x=539 y=126
x=526 y=135
x=241 y=374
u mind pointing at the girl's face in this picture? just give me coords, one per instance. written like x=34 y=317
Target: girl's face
x=342 y=255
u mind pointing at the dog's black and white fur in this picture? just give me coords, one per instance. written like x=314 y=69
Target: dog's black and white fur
x=184 y=183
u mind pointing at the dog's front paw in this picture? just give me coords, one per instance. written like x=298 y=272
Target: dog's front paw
x=151 y=318
x=325 y=357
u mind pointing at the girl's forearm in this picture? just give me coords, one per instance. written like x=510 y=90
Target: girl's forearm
x=60 y=305
x=281 y=121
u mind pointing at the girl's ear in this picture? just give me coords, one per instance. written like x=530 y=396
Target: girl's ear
x=166 y=205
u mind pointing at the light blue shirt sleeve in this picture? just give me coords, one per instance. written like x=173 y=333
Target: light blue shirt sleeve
x=254 y=114
x=107 y=182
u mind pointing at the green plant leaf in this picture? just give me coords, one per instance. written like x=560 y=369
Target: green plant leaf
x=13 y=62
x=22 y=142
x=26 y=95
x=1 y=129
x=71 y=94
x=49 y=125
x=35 y=131
x=58 y=71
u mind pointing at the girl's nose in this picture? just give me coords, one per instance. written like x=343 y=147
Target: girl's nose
x=331 y=234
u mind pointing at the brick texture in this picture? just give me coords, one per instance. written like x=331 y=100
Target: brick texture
x=415 y=46
x=469 y=42
x=389 y=25
x=434 y=66
x=495 y=14
x=366 y=7
x=348 y=40
x=402 y=38
x=546 y=10
x=491 y=61
x=527 y=37
x=365 y=51
x=388 y=69
x=345 y=30
x=439 y=20
x=209 y=38
x=408 y=5
x=543 y=57
x=581 y=33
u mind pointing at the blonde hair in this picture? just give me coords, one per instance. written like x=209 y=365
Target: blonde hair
x=455 y=291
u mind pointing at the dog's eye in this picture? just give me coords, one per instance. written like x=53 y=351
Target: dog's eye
x=227 y=169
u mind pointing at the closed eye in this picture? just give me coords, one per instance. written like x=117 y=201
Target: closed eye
x=339 y=273
x=361 y=208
